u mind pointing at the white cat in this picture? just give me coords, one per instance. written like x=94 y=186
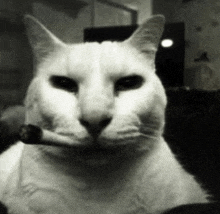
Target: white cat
x=108 y=99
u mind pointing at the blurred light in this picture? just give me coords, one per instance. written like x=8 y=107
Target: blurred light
x=166 y=43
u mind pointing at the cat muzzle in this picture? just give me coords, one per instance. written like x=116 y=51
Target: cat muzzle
x=30 y=134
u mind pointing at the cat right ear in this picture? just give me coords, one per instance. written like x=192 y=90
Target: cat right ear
x=42 y=41
x=147 y=37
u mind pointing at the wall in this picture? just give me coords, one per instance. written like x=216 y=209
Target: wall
x=143 y=7
x=65 y=18
x=69 y=24
x=15 y=63
x=202 y=23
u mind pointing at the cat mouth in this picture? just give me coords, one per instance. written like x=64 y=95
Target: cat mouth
x=31 y=134
x=96 y=152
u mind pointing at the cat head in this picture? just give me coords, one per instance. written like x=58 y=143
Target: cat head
x=104 y=95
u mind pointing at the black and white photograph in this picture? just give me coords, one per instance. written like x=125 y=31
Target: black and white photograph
x=109 y=107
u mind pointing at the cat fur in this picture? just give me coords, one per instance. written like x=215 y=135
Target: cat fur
x=127 y=167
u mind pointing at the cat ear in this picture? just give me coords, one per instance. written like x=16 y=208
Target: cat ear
x=41 y=39
x=147 y=37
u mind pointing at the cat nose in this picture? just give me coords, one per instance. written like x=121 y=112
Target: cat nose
x=95 y=124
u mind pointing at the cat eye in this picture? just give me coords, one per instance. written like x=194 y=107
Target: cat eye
x=129 y=83
x=64 y=83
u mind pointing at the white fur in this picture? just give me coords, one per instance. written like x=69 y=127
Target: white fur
x=135 y=171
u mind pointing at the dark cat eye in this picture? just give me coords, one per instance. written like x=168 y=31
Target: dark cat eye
x=64 y=83
x=129 y=83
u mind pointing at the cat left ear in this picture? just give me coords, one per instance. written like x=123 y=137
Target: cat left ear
x=147 y=37
x=41 y=39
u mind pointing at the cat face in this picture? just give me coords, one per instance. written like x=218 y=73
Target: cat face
x=98 y=94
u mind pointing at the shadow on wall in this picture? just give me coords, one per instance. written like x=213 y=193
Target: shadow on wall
x=66 y=6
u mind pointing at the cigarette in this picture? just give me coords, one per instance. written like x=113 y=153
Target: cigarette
x=30 y=134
